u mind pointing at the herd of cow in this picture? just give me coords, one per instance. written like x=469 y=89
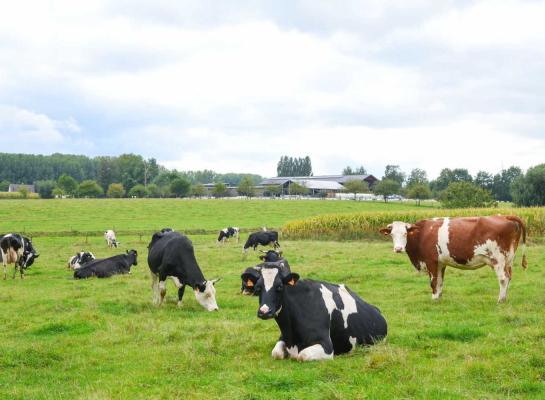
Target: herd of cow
x=316 y=319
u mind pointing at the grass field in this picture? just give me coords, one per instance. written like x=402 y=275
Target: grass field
x=102 y=339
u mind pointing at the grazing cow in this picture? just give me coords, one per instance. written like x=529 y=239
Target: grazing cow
x=263 y=238
x=109 y=236
x=271 y=256
x=227 y=233
x=316 y=319
x=247 y=288
x=464 y=243
x=75 y=262
x=18 y=250
x=106 y=267
x=172 y=254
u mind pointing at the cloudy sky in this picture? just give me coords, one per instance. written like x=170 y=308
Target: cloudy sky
x=233 y=85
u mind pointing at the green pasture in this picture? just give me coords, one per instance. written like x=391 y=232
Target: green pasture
x=103 y=339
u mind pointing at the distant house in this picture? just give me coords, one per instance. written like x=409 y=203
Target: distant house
x=318 y=185
x=15 y=188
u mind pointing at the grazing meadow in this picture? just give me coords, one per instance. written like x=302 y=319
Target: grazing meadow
x=103 y=339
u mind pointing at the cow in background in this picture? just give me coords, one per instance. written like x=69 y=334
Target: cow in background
x=18 y=250
x=464 y=243
x=226 y=233
x=110 y=238
x=263 y=238
x=107 y=267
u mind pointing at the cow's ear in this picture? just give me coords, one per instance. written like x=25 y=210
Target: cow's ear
x=291 y=279
x=200 y=287
x=386 y=231
x=214 y=281
x=262 y=258
x=410 y=227
x=249 y=278
x=36 y=255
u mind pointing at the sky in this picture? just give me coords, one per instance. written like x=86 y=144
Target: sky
x=233 y=85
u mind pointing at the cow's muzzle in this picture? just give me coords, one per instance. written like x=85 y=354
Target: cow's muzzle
x=399 y=250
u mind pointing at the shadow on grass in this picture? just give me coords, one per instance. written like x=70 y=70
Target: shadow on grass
x=79 y=328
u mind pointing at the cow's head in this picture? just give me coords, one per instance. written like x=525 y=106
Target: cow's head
x=398 y=231
x=205 y=293
x=133 y=253
x=269 y=286
x=29 y=253
x=270 y=255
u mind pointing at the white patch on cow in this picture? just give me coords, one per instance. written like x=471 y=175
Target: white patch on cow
x=349 y=304
x=279 y=350
x=327 y=295
x=442 y=241
x=423 y=267
x=353 y=341
x=207 y=299
x=269 y=275
x=293 y=351
x=314 y=353
x=176 y=281
x=264 y=309
x=224 y=230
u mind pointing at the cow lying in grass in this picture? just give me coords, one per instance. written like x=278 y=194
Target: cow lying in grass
x=316 y=319
x=104 y=268
x=75 y=262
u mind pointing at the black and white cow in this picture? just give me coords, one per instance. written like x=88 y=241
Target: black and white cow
x=316 y=319
x=271 y=256
x=75 y=262
x=110 y=238
x=263 y=238
x=18 y=250
x=107 y=267
x=171 y=254
x=229 y=232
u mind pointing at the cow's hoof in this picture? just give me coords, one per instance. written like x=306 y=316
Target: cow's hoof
x=279 y=351
x=502 y=300
x=179 y=304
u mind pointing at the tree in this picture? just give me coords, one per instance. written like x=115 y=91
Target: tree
x=393 y=172
x=465 y=195
x=180 y=187
x=297 y=189
x=23 y=192
x=417 y=177
x=198 y=190
x=289 y=166
x=246 y=187
x=138 y=190
x=387 y=187
x=529 y=189
x=57 y=192
x=447 y=176
x=4 y=186
x=357 y=171
x=484 y=180
x=107 y=171
x=68 y=184
x=502 y=186
x=89 y=188
x=115 y=190
x=356 y=186
x=132 y=169
x=220 y=190
x=273 y=190
x=45 y=188
x=153 y=190
x=419 y=191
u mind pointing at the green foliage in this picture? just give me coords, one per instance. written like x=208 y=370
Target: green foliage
x=294 y=166
x=246 y=187
x=502 y=186
x=68 y=184
x=90 y=188
x=115 y=190
x=419 y=191
x=447 y=176
x=198 y=190
x=466 y=195
x=153 y=190
x=23 y=192
x=45 y=188
x=180 y=187
x=220 y=190
x=356 y=186
x=296 y=189
x=417 y=177
x=394 y=173
x=138 y=190
x=57 y=192
x=387 y=187
x=4 y=186
x=18 y=195
x=529 y=189
x=356 y=171
x=273 y=190
x=484 y=180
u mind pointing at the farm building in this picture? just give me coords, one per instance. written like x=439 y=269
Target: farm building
x=15 y=188
x=318 y=185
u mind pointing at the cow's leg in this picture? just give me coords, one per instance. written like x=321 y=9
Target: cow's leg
x=155 y=287
x=181 y=289
x=439 y=282
x=433 y=272
x=316 y=352
x=5 y=264
x=279 y=350
x=503 y=272
x=162 y=287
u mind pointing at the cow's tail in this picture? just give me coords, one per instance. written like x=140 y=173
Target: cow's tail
x=518 y=221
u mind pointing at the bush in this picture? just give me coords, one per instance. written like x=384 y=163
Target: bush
x=89 y=188
x=180 y=187
x=198 y=190
x=115 y=190
x=153 y=190
x=17 y=195
x=45 y=188
x=466 y=195
x=138 y=190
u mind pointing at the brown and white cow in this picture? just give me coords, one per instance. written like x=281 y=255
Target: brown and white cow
x=464 y=243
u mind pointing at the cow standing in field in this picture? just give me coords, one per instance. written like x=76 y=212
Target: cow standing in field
x=316 y=319
x=18 y=250
x=109 y=236
x=263 y=238
x=171 y=254
x=107 y=267
x=226 y=233
x=464 y=243
x=75 y=262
